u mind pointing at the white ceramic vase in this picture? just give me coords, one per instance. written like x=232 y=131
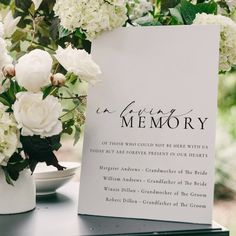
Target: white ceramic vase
x=18 y=198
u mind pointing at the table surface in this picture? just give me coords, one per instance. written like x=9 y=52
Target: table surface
x=57 y=215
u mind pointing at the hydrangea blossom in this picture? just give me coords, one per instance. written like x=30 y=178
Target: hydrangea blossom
x=8 y=136
x=228 y=38
x=4 y=56
x=92 y=17
x=138 y=8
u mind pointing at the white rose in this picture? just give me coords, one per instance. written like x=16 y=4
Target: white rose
x=33 y=70
x=79 y=62
x=10 y=24
x=37 y=116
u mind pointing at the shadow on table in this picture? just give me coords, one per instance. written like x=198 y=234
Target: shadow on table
x=20 y=223
x=55 y=198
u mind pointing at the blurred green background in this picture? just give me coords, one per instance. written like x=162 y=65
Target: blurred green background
x=225 y=188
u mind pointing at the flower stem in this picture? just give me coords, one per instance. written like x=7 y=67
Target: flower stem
x=69 y=111
x=76 y=97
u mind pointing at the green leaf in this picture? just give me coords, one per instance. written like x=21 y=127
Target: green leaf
x=14 y=168
x=177 y=15
x=72 y=78
x=50 y=4
x=80 y=34
x=15 y=165
x=32 y=9
x=7 y=176
x=15 y=47
x=4 y=101
x=200 y=1
x=39 y=150
x=50 y=90
x=4 y=81
x=155 y=22
x=166 y=4
x=209 y=8
x=14 y=175
x=5 y=2
x=11 y=91
x=18 y=165
x=67 y=126
x=63 y=32
x=55 y=142
x=18 y=35
x=23 y=4
x=189 y=10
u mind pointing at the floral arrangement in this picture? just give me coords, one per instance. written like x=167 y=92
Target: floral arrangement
x=32 y=115
x=91 y=17
x=45 y=62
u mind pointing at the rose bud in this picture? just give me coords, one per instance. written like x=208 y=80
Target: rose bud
x=9 y=70
x=58 y=79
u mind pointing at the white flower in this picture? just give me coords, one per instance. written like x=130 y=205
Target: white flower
x=1 y=29
x=9 y=70
x=33 y=70
x=37 y=3
x=4 y=56
x=79 y=62
x=37 y=116
x=9 y=24
x=139 y=8
x=58 y=79
x=228 y=38
x=5 y=59
x=92 y=17
x=8 y=136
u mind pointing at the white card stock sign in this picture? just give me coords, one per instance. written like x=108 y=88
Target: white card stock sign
x=150 y=130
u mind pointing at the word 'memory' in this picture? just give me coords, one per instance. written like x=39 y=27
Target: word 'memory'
x=133 y=117
x=160 y=122
x=152 y=118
